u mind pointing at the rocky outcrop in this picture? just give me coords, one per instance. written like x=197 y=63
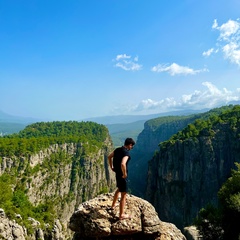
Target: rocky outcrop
x=155 y=131
x=192 y=233
x=84 y=176
x=63 y=175
x=95 y=219
x=186 y=175
x=8 y=163
x=10 y=229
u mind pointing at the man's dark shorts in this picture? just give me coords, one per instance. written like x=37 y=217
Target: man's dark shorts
x=121 y=183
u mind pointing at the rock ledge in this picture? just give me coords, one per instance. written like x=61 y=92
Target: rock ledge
x=95 y=219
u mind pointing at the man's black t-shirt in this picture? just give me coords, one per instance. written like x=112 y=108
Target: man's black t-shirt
x=119 y=153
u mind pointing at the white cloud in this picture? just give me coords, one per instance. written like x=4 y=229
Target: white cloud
x=128 y=66
x=175 y=69
x=229 y=40
x=228 y=29
x=232 y=52
x=127 y=63
x=136 y=59
x=150 y=104
x=208 y=52
x=122 y=56
x=215 y=23
x=209 y=98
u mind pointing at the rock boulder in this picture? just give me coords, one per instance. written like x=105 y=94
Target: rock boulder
x=95 y=219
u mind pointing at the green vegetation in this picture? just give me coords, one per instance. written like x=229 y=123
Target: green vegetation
x=87 y=138
x=154 y=124
x=41 y=135
x=16 y=202
x=223 y=222
x=229 y=196
x=165 y=132
x=209 y=223
x=204 y=126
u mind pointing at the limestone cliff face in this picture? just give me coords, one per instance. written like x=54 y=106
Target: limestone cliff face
x=11 y=230
x=64 y=174
x=155 y=131
x=185 y=176
x=70 y=174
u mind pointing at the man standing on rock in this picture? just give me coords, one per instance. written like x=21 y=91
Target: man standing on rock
x=118 y=161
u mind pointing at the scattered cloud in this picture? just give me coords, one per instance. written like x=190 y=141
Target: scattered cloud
x=122 y=56
x=208 y=52
x=228 y=30
x=127 y=63
x=215 y=24
x=228 y=41
x=209 y=98
x=150 y=104
x=175 y=69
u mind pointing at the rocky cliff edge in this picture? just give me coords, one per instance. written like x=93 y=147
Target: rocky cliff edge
x=95 y=220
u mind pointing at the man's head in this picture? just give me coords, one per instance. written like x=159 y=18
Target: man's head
x=129 y=143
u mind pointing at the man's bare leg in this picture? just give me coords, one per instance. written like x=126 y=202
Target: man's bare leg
x=122 y=206
x=115 y=198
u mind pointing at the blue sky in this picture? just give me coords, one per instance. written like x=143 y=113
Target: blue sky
x=70 y=60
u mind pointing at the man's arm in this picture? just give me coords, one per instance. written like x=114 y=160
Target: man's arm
x=110 y=160
x=124 y=166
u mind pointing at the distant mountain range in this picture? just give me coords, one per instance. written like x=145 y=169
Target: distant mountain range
x=13 y=124
x=7 y=118
x=123 y=126
x=123 y=119
x=119 y=119
x=119 y=126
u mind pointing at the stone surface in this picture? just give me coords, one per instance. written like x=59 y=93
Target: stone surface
x=10 y=230
x=186 y=174
x=191 y=233
x=78 y=174
x=95 y=219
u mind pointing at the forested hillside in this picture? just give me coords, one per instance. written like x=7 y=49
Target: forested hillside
x=156 y=131
x=41 y=135
x=49 y=168
x=189 y=169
